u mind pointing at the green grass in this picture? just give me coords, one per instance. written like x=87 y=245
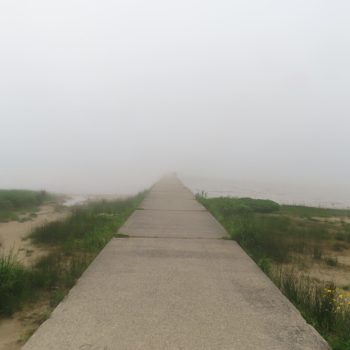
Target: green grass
x=15 y=284
x=227 y=207
x=13 y=202
x=308 y=212
x=274 y=234
x=73 y=243
x=89 y=227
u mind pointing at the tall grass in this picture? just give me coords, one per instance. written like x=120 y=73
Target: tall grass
x=73 y=243
x=89 y=227
x=320 y=303
x=15 y=284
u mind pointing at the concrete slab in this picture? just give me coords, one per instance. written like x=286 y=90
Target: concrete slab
x=180 y=194
x=177 y=224
x=144 y=293
x=169 y=186
x=186 y=289
x=170 y=203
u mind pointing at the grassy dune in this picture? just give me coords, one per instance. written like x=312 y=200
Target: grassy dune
x=284 y=240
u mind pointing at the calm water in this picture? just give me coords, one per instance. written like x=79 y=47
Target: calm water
x=319 y=196
x=75 y=200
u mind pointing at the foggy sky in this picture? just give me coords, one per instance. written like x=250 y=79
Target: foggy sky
x=106 y=96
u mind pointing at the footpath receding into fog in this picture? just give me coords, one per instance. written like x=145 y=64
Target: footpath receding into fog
x=174 y=284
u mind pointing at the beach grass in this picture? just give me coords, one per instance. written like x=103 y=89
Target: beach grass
x=72 y=244
x=15 y=284
x=276 y=236
x=15 y=202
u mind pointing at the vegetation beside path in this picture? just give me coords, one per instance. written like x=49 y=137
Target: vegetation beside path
x=286 y=242
x=72 y=244
x=13 y=203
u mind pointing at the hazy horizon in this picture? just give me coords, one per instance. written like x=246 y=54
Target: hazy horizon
x=106 y=97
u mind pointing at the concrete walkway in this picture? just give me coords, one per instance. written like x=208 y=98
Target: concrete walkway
x=174 y=284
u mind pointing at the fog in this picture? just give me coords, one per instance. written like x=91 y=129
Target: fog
x=106 y=96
